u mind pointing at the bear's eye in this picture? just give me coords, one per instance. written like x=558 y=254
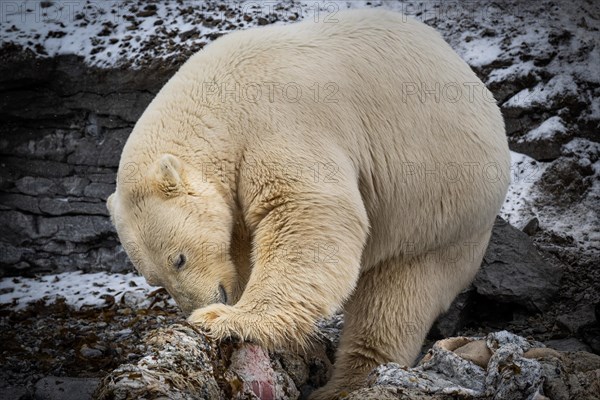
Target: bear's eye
x=179 y=261
x=223 y=294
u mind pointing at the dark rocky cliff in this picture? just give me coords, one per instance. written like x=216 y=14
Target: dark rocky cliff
x=63 y=126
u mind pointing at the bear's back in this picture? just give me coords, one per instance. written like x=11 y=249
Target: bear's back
x=416 y=124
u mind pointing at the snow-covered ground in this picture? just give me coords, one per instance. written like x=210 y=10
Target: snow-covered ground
x=111 y=33
x=78 y=290
x=525 y=172
x=527 y=199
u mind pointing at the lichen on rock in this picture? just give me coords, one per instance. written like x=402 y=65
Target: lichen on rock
x=183 y=362
x=179 y=365
x=513 y=368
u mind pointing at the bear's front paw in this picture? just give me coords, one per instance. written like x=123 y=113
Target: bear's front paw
x=269 y=330
x=220 y=320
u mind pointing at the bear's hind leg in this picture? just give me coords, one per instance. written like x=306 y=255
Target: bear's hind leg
x=392 y=309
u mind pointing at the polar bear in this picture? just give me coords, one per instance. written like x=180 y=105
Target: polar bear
x=286 y=172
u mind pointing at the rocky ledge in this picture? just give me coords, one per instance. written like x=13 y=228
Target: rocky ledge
x=181 y=362
x=64 y=126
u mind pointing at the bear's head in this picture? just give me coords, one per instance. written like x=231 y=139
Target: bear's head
x=176 y=229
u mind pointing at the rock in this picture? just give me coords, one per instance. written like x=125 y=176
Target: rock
x=532 y=227
x=37 y=168
x=23 y=203
x=58 y=206
x=591 y=336
x=329 y=331
x=582 y=315
x=15 y=393
x=515 y=368
x=65 y=124
x=146 y=13
x=64 y=388
x=544 y=142
x=514 y=272
x=114 y=258
x=99 y=190
x=454 y=319
x=134 y=299
x=74 y=228
x=178 y=365
x=104 y=151
x=566 y=182
x=296 y=366
x=53 y=205
x=16 y=227
x=192 y=33
x=9 y=254
x=525 y=380
x=183 y=363
x=575 y=376
x=74 y=185
x=569 y=344
x=127 y=105
x=35 y=186
x=90 y=352
x=392 y=393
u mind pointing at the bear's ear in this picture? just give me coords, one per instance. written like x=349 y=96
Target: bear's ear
x=109 y=203
x=169 y=175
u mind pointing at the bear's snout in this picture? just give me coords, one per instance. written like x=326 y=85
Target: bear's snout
x=188 y=303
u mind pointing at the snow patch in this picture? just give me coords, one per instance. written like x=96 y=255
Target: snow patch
x=543 y=92
x=108 y=33
x=480 y=52
x=546 y=130
x=77 y=288
x=518 y=207
x=582 y=148
x=514 y=71
x=525 y=199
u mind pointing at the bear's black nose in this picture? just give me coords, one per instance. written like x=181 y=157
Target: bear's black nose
x=223 y=294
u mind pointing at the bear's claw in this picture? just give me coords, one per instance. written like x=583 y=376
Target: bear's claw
x=269 y=330
x=221 y=322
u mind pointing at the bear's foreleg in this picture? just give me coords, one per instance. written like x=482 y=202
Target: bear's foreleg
x=306 y=255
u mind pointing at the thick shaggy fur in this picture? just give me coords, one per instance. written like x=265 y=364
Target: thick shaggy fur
x=374 y=190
